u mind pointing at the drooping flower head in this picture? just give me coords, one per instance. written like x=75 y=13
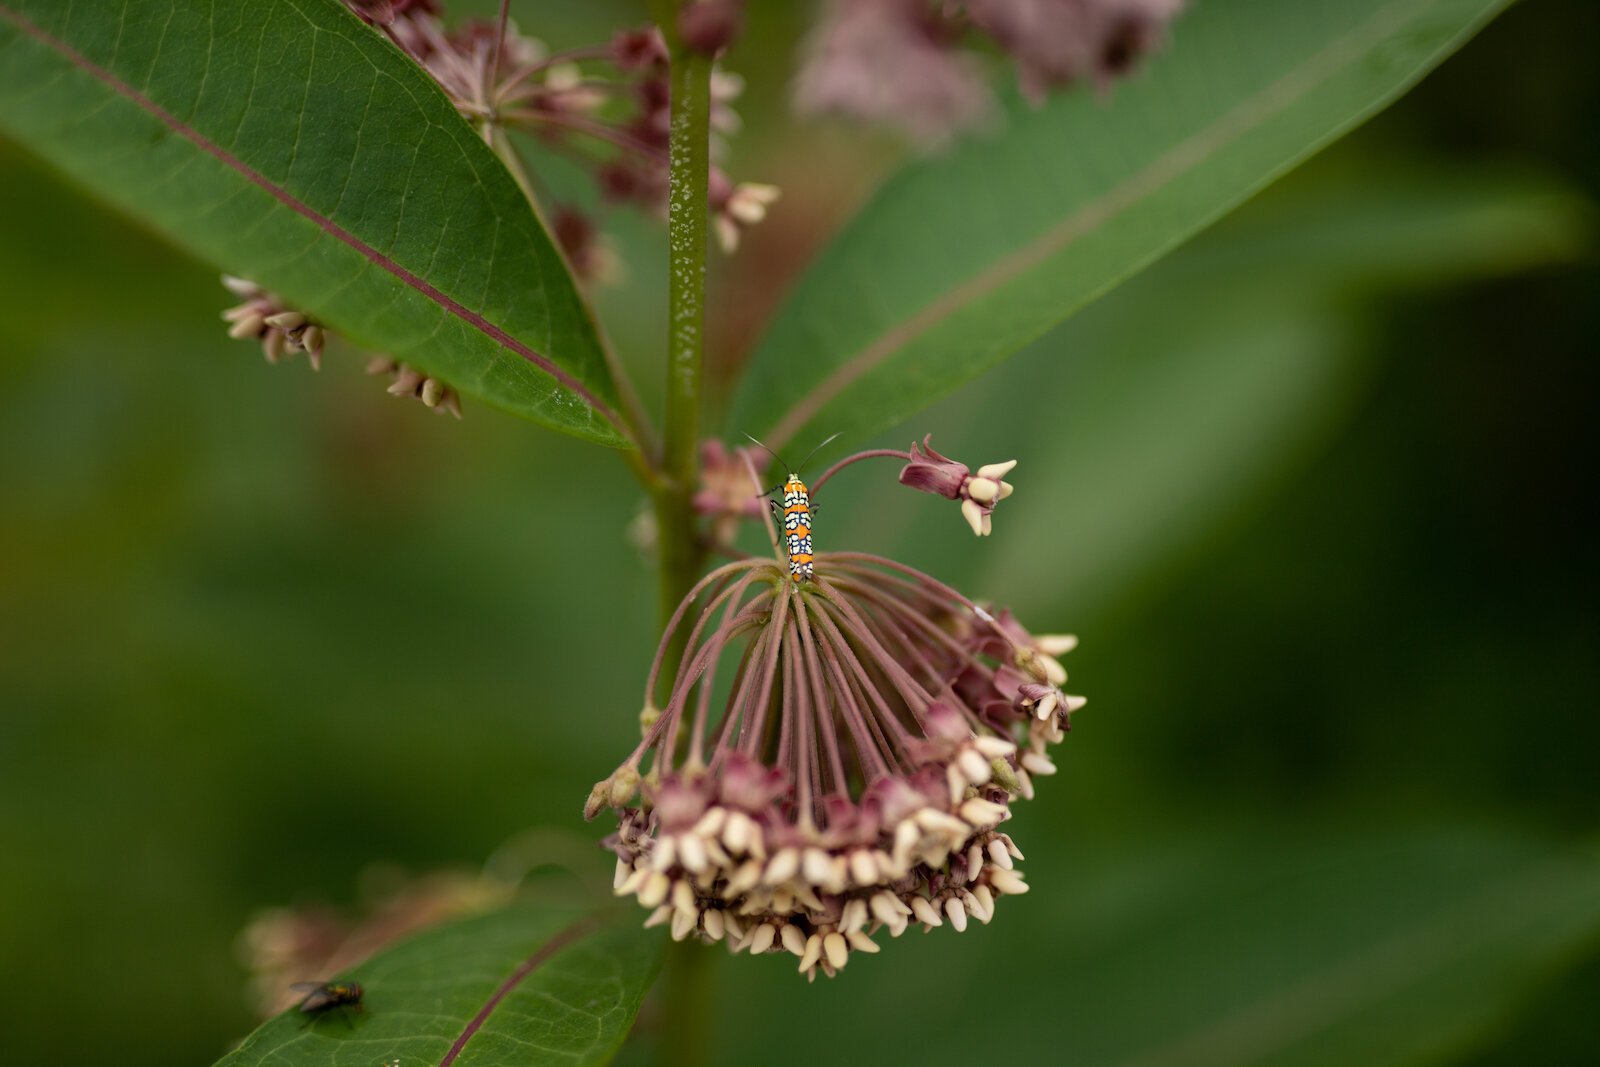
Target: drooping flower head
x=835 y=758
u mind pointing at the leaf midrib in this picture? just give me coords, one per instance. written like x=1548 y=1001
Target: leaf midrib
x=555 y=944
x=453 y=307
x=1172 y=164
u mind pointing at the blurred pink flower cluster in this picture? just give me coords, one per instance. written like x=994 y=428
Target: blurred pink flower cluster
x=910 y=64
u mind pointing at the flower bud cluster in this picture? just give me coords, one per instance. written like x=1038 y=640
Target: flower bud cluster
x=606 y=107
x=878 y=728
x=978 y=492
x=281 y=330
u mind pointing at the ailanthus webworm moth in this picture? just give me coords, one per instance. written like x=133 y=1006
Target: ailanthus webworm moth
x=796 y=513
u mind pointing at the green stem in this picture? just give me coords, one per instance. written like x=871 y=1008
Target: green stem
x=687 y=226
x=684 y=989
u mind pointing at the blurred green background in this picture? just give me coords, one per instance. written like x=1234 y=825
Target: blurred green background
x=1311 y=491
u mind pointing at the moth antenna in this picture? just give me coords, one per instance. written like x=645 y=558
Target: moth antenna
x=771 y=453
x=812 y=453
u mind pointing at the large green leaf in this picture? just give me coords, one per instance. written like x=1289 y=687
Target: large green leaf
x=961 y=260
x=285 y=141
x=526 y=986
x=1166 y=422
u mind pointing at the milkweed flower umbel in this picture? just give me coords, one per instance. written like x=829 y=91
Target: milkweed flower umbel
x=836 y=760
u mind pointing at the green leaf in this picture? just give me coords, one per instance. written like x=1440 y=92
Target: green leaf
x=1166 y=422
x=529 y=985
x=287 y=142
x=961 y=260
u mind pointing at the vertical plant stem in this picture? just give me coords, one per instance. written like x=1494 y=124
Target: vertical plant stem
x=685 y=986
x=689 y=152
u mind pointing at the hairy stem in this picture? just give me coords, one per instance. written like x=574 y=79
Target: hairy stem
x=689 y=152
x=685 y=993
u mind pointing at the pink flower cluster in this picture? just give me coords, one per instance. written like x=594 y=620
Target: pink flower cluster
x=876 y=729
x=904 y=62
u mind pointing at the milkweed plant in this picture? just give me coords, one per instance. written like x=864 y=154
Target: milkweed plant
x=830 y=742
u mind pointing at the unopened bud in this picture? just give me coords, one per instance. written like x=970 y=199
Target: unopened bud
x=432 y=392
x=624 y=784
x=248 y=326
x=709 y=26
x=597 y=798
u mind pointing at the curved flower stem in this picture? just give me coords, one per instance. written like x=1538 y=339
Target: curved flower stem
x=873 y=453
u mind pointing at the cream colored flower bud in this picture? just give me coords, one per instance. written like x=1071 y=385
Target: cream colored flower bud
x=994 y=747
x=974 y=766
x=692 y=852
x=835 y=949
x=863 y=867
x=746 y=878
x=983 y=490
x=813 y=952
x=816 y=867
x=286 y=320
x=784 y=866
x=1055 y=644
x=738 y=831
x=1007 y=881
x=974 y=516
x=925 y=912
x=860 y=942
x=1036 y=763
x=996 y=471
x=710 y=823
x=248 y=326
x=980 y=812
x=654 y=891
x=985 y=899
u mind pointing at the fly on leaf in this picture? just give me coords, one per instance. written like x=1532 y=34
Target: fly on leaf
x=324 y=997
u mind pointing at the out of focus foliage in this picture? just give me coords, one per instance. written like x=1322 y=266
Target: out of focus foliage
x=1311 y=491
